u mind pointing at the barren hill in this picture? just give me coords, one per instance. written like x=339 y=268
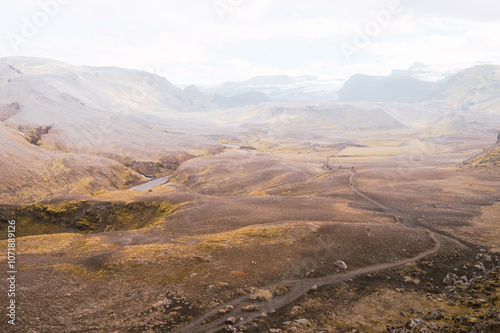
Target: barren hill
x=486 y=162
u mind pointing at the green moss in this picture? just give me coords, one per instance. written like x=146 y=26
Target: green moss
x=45 y=244
x=212 y=246
x=88 y=217
x=63 y=207
x=272 y=232
x=101 y=192
x=82 y=272
x=30 y=226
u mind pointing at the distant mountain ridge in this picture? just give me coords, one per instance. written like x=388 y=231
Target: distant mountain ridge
x=217 y=101
x=280 y=88
x=461 y=90
x=123 y=90
x=394 y=88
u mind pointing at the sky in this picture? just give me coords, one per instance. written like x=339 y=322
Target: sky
x=212 y=41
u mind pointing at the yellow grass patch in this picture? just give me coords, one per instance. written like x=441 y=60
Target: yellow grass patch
x=45 y=244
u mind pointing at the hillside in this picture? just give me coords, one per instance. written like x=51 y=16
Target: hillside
x=488 y=162
x=394 y=88
x=474 y=89
x=30 y=172
x=471 y=89
x=105 y=88
x=59 y=121
x=54 y=114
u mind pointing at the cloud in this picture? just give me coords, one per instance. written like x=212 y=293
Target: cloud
x=193 y=43
x=477 y=11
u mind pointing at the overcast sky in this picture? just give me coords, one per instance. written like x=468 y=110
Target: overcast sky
x=208 y=41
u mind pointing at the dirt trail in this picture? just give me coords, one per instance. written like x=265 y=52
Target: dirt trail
x=397 y=214
x=298 y=288
x=351 y=181
x=407 y=219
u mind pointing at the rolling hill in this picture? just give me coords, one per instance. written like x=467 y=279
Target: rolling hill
x=488 y=161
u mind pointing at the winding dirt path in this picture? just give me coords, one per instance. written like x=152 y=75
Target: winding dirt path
x=385 y=209
x=299 y=287
x=405 y=218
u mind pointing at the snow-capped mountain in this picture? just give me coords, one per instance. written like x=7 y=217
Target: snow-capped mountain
x=280 y=88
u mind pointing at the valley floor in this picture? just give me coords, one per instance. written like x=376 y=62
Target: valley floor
x=250 y=241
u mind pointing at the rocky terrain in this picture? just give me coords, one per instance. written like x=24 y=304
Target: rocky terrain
x=277 y=217
x=488 y=161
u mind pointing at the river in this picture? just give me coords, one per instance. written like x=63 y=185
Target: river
x=151 y=184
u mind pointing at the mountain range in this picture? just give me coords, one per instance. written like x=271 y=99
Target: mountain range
x=85 y=129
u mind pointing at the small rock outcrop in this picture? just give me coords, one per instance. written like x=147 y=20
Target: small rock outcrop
x=340 y=264
x=450 y=279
